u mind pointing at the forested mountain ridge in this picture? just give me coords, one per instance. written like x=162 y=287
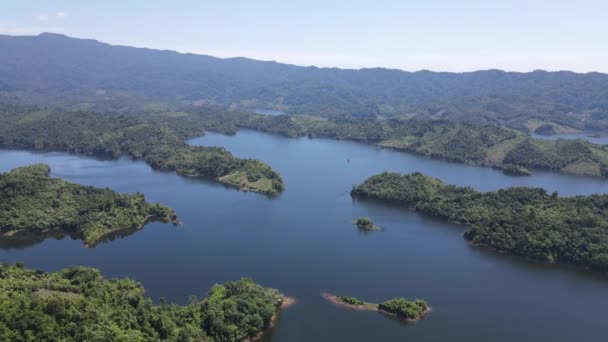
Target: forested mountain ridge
x=52 y=68
x=521 y=221
x=157 y=139
x=34 y=203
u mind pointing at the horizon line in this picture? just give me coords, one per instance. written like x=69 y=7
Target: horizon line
x=202 y=54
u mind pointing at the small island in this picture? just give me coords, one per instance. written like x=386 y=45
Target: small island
x=512 y=169
x=401 y=308
x=366 y=223
x=35 y=203
x=405 y=309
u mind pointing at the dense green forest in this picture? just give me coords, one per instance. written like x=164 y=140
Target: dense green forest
x=350 y=300
x=69 y=71
x=491 y=145
x=33 y=202
x=521 y=221
x=78 y=304
x=366 y=223
x=404 y=308
x=157 y=138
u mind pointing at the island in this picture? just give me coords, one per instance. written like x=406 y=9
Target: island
x=157 y=139
x=401 y=308
x=522 y=221
x=511 y=169
x=366 y=223
x=79 y=304
x=35 y=203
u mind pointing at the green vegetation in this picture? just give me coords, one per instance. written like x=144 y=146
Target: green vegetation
x=400 y=307
x=490 y=145
x=86 y=74
x=514 y=169
x=350 y=300
x=78 y=304
x=521 y=221
x=157 y=139
x=366 y=223
x=404 y=308
x=33 y=202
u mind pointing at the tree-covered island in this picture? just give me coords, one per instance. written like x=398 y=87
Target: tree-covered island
x=399 y=307
x=78 y=304
x=523 y=221
x=33 y=202
x=366 y=223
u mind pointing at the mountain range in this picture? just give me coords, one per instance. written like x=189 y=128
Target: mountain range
x=57 y=70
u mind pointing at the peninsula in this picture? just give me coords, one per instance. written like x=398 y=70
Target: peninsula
x=34 y=202
x=487 y=145
x=523 y=221
x=158 y=139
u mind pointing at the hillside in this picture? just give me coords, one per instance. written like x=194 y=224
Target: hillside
x=483 y=145
x=55 y=69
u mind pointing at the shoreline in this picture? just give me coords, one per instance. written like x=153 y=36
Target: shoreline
x=333 y=299
x=148 y=219
x=286 y=302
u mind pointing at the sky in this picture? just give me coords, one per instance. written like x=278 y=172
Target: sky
x=463 y=35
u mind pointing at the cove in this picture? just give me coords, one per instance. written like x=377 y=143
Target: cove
x=303 y=243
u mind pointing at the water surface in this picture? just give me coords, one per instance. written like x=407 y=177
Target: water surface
x=304 y=243
x=271 y=112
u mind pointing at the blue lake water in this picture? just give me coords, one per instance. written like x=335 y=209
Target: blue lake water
x=271 y=112
x=303 y=243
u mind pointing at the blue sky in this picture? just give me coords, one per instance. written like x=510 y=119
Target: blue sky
x=411 y=35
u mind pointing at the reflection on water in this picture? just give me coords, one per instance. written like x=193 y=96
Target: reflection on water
x=304 y=243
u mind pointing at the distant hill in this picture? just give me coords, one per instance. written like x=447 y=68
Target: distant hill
x=56 y=69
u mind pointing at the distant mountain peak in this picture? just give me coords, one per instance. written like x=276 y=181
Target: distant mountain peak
x=52 y=34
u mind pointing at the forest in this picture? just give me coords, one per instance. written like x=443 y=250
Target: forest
x=558 y=101
x=78 y=304
x=523 y=221
x=490 y=145
x=157 y=139
x=404 y=308
x=34 y=202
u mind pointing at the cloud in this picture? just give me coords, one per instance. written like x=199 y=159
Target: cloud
x=60 y=15
x=42 y=17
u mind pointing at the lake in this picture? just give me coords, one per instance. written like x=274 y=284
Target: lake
x=303 y=243
x=271 y=112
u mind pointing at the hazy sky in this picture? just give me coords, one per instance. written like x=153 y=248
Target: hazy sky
x=456 y=35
